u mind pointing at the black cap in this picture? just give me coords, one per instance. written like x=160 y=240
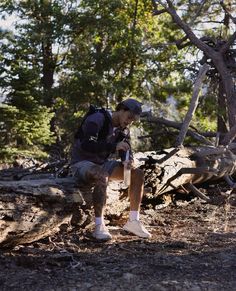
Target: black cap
x=133 y=105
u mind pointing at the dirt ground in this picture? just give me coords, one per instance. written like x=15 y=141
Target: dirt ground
x=193 y=248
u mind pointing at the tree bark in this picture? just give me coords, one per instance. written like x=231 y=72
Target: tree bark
x=34 y=209
x=178 y=167
x=221 y=114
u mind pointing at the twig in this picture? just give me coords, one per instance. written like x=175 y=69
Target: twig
x=197 y=192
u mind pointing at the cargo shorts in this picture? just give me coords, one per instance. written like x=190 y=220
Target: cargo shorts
x=80 y=169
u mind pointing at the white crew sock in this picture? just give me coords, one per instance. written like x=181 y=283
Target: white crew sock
x=133 y=215
x=99 y=220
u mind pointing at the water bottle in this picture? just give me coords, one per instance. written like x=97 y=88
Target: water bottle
x=127 y=170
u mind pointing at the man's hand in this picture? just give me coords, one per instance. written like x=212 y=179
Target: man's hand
x=129 y=164
x=123 y=145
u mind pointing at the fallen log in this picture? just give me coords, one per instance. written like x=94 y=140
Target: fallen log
x=31 y=210
x=179 y=166
x=34 y=209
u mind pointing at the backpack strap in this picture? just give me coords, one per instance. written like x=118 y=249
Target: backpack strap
x=107 y=121
x=105 y=128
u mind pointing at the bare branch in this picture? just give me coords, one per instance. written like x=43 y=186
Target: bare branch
x=186 y=28
x=200 y=9
x=196 y=135
x=192 y=188
x=180 y=42
x=156 y=11
x=227 y=45
x=230 y=136
x=193 y=104
x=226 y=10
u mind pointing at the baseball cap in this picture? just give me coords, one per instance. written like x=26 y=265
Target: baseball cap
x=133 y=105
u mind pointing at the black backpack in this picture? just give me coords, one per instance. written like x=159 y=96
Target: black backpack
x=105 y=128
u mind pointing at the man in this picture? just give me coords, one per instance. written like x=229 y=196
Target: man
x=100 y=135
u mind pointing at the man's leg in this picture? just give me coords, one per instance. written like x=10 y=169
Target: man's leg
x=135 y=195
x=100 y=179
x=136 y=185
x=94 y=174
x=136 y=189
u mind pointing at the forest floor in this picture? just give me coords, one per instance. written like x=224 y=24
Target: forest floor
x=193 y=247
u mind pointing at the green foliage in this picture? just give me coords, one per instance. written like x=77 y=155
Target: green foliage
x=106 y=51
x=64 y=55
x=24 y=130
x=8 y=154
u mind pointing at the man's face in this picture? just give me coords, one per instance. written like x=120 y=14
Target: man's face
x=126 y=118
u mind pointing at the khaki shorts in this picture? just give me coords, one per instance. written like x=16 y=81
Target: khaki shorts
x=80 y=169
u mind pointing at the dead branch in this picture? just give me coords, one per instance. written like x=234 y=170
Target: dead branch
x=227 y=45
x=193 y=105
x=200 y=136
x=227 y=12
x=186 y=28
x=190 y=187
x=156 y=11
x=230 y=136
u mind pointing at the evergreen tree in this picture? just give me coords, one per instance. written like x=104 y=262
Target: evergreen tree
x=28 y=65
x=62 y=56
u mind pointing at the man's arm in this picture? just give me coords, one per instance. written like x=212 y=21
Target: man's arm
x=124 y=137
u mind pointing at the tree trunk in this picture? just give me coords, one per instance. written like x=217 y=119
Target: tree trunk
x=221 y=114
x=34 y=209
x=228 y=87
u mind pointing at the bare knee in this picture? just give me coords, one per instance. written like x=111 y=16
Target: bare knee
x=98 y=176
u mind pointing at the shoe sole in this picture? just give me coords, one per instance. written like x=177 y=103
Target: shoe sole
x=102 y=239
x=127 y=230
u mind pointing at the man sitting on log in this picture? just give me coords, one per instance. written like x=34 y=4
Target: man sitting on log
x=100 y=135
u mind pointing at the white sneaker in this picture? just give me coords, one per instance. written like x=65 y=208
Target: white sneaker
x=101 y=232
x=136 y=227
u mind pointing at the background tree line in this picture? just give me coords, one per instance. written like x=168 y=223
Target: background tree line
x=63 y=55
